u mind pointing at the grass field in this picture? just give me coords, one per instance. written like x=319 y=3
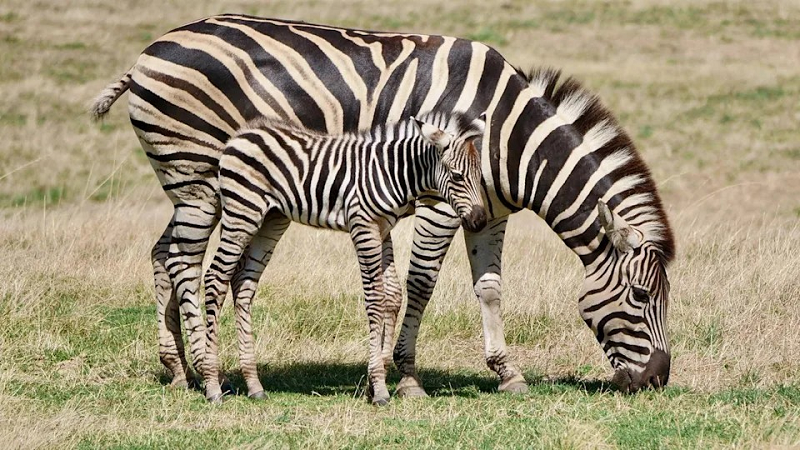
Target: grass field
x=708 y=90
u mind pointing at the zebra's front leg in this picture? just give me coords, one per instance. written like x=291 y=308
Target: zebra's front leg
x=485 y=250
x=244 y=285
x=393 y=301
x=367 y=240
x=434 y=228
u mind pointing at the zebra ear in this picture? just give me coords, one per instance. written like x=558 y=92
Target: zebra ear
x=480 y=123
x=622 y=236
x=433 y=134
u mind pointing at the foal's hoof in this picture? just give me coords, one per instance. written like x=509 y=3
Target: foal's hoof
x=260 y=395
x=515 y=385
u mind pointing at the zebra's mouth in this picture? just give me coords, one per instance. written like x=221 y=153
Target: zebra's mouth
x=655 y=374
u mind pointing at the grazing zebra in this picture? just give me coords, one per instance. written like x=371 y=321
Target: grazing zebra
x=272 y=173
x=549 y=147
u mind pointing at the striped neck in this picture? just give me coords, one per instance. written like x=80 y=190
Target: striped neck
x=560 y=152
x=391 y=147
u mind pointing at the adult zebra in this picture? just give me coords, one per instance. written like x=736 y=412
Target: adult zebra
x=272 y=174
x=552 y=149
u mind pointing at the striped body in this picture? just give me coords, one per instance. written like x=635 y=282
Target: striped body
x=273 y=173
x=325 y=181
x=547 y=147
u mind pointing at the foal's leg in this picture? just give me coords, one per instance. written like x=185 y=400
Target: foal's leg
x=393 y=300
x=236 y=232
x=367 y=240
x=244 y=285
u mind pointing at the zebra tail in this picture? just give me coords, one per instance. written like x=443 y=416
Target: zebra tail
x=109 y=95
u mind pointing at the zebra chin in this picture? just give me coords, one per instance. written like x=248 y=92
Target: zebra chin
x=476 y=220
x=655 y=374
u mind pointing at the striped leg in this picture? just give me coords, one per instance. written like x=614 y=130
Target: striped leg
x=244 y=285
x=394 y=299
x=434 y=228
x=191 y=228
x=485 y=250
x=236 y=233
x=368 y=243
x=170 y=341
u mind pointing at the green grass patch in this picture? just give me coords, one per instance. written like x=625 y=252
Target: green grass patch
x=107 y=370
x=9 y=17
x=35 y=197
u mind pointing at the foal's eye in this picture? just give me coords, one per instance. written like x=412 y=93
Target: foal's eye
x=458 y=177
x=640 y=294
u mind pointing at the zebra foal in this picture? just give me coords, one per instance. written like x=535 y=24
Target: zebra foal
x=272 y=174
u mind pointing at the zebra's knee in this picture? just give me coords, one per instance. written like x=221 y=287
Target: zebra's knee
x=488 y=290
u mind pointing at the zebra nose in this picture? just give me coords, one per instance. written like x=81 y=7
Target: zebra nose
x=655 y=374
x=475 y=220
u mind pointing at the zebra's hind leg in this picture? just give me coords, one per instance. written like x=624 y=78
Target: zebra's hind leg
x=485 y=250
x=367 y=240
x=393 y=301
x=192 y=226
x=170 y=340
x=435 y=225
x=244 y=285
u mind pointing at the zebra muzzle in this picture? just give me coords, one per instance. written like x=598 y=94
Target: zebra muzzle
x=476 y=220
x=655 y=374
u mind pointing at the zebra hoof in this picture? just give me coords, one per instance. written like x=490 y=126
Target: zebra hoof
x=179 y=383
x=260 y=395
x=515 y=385
x=380 y=401
x=410 y=386
x=216 y=399
x=410 y=392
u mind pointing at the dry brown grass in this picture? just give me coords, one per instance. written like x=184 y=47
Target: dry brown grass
x=708 y=91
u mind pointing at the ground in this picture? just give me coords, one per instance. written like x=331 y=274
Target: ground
x=708 y=90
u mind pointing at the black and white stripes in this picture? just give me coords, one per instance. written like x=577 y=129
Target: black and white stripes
x=549 y=146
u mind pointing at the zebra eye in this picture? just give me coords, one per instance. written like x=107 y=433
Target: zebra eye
x=640 y=294
x=458 y=177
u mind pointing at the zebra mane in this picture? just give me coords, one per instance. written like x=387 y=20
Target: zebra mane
x=641 y=206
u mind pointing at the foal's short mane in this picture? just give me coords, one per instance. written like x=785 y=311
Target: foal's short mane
x=657 y=229
x=456 y=123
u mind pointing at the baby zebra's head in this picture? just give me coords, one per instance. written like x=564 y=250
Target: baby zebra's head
x=458 y=175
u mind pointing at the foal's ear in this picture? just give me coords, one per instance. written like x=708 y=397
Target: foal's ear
x=622 y=236
x=433 y=134
x=480 y=123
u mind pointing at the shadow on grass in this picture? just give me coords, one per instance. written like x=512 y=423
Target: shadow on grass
x=331 y=378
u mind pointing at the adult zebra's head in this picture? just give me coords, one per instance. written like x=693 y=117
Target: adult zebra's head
x=624 y=302
x=458 y=175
